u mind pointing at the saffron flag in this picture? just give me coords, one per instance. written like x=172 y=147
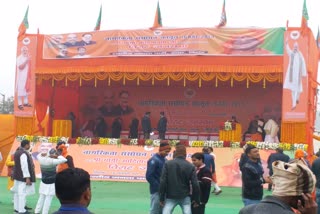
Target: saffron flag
x=305 y=18
x=24 y=25
x=157 y=19
x=318 y=39
x=223 y=19
x=98 y=24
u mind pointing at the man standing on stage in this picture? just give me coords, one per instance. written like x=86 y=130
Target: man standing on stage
x=48 y=162
x=23 y=82
x=24 y=176
x=146 y=125
x=162 y=126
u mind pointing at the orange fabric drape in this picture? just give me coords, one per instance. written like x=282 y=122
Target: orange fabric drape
x=24 y=125
x=293 y=132
x=41 y=110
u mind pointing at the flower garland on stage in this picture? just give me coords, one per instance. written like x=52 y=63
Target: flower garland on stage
x=150 y=142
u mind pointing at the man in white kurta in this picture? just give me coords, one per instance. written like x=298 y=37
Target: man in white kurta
x=24 y=177
x=48 y=162
x=23 y=66
x=271 y=128
x=296 y=70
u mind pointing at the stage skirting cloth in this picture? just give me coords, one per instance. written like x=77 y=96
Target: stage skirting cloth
x=231 y=135
x=129 y=163
x=61 y=128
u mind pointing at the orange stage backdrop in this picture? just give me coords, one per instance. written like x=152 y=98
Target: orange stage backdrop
x=186 y=108
x=25 y=77
x=128 y=163
x=164 y=42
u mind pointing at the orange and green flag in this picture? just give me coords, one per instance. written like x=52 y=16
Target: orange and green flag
x=305 y=17
x=24 y=25
x=98 y=23
x=223 y=19
x=157 y=19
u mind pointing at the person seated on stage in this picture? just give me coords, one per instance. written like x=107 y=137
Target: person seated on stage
x=253 y=127
x=271 y=128
x=73 y=189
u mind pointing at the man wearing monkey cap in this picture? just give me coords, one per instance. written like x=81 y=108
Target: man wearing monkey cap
x=293 y=184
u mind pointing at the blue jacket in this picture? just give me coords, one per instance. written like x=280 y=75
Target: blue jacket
x=209 y=162
x=154 y=170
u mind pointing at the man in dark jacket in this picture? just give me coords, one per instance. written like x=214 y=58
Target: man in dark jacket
x=154 y=170
x=177 y=180
x=162 y=126
x=24 y=176
x=293 y=184
x=146 y=125
x=316 y=171
x=204 y=178
x=274 y=157
x=252 y=177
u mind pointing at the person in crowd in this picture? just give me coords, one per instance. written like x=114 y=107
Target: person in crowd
x=318 y=153
x=204 y=178
x=252 y=177
x=271 y=128
x=279 y=155
x=10 y=166
x=210 y=164
x=123 y=107
x=300 y=154
x=116 y=128
x=162 y=126
x=154 y=169
x=100 y=129
x=133 y=128
x=316 y=171
x=24 y=176
x=48 y=161
x=253 y=127
x=73 y=190
x=146 y=125
x=177 y=180
x=293 y=183
x=216 y=189
x=62 y=149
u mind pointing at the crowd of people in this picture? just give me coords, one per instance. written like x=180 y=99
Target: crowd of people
x=294 y=182
x=58 y=177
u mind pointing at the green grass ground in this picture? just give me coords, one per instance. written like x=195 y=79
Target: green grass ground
x=126 y=198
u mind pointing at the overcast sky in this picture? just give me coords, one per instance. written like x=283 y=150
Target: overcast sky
x=65 y=16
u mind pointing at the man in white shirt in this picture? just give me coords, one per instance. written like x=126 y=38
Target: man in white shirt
x=24 y=177
x=48 y=161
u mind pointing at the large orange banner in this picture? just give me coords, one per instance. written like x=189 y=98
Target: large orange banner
x=129 y=163
x=164 y=42
x=25 y=77
x=295 y=84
